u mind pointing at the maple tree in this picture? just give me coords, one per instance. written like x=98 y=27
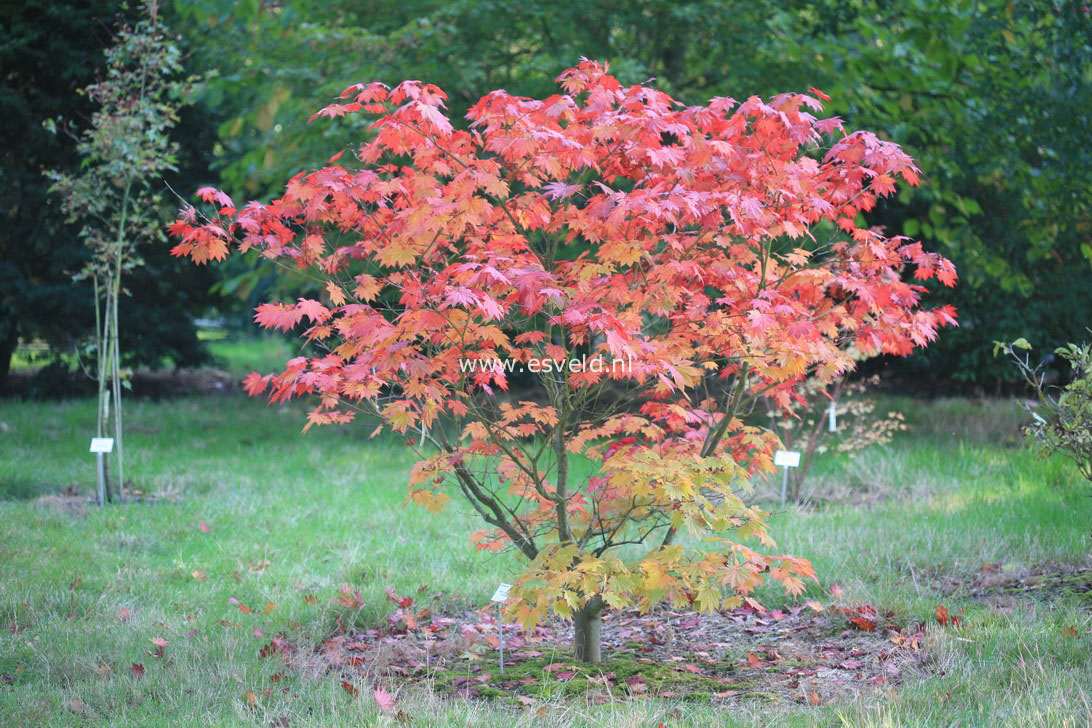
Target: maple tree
x=716 y=251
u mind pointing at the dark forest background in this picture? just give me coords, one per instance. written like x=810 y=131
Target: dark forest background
x=993 y=99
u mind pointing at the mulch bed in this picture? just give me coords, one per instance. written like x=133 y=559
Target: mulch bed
x=799 y=654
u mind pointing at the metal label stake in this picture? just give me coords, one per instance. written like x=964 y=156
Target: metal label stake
x=786 y=459
x=499 y=596
x=101 y=446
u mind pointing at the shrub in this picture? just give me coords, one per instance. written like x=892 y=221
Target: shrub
x=1061 y=415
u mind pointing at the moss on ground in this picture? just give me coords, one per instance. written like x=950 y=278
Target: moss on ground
x=623 y=673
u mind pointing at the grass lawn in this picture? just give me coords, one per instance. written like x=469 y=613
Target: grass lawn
x=83 y=595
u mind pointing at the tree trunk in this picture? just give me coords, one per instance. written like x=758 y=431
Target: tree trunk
x=8 y=343
x=102 y=356
x=587 y=633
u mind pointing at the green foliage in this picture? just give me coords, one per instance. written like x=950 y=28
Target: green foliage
x=994 y=100
x=45 y=52
x=1062 y=415
x=48 y=51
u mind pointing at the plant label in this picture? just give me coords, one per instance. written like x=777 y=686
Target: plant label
x=501 y=593
x=102 y=444
x=787 y=458
x=832 y=418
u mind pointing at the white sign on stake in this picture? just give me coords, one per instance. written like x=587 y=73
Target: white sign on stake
x=102 y=444
x=832 y=418
x=786 y=459
x=499 y=596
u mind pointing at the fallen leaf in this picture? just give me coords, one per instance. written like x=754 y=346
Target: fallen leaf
x=525 y=700
x=269 y=607
x=159 y=642
x=75 y=583
x=204 y=527
x=137 y=669
x=124 y=614
x=566 y=675
x=1070 y=631
x=837 y=591
x=384 y=699
x=942 y=615
x=252 y=699
x=349 y=688
x=813 y=698
x=199 y=575
x=350 y=597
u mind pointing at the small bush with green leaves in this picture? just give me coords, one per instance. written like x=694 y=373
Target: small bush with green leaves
x=1061 y=415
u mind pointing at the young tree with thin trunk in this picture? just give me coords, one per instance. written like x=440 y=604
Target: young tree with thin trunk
x=125 y=151
x=654 y=269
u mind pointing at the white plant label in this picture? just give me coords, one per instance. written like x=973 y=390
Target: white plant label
x=787 y=458
x=102 y=444
x=832 y=418
x=501 y=593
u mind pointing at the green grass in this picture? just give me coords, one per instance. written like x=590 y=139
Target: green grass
x=242 y=355
x=291 y=516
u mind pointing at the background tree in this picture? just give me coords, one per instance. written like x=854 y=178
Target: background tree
x=991 y=97
x=125 y=152
x=993 y=100
x=704 y=256
x=48 y=51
